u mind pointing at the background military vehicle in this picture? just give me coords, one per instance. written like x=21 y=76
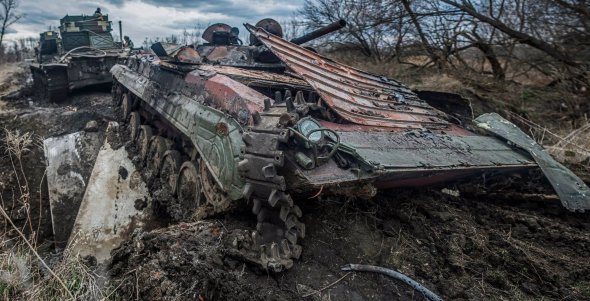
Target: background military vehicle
x=224 y=125
x=81 y=55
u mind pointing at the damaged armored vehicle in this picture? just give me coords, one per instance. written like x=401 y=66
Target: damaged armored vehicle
x=81 y=55
x=269 y=123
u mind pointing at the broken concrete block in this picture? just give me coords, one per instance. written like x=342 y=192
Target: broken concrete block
x=70 y=159
x=116 y=203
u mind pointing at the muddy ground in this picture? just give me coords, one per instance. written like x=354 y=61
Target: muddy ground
x=476 y=247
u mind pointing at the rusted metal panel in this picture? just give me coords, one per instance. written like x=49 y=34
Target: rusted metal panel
x=256 y=76
x=228 y=95
x=356 y=96
x=351 y=127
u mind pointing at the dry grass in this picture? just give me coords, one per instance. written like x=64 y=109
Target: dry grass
x=569 y=147
x=438 y=82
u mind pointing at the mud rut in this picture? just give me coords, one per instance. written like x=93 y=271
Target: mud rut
x=459 y=247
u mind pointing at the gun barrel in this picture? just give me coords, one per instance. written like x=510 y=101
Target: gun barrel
x=121 y=33
x=319 y=32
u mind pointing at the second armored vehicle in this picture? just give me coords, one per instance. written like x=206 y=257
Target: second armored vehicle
x=272 y=124
x=81 y=57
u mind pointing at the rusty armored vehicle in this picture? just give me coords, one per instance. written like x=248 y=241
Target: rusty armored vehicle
x=81 y=55
x=272 y=123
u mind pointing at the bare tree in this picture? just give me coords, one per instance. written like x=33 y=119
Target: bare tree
x=505 y=38
x=8 y=16
x=425 y=43
x=484 y=15
x=374 y=26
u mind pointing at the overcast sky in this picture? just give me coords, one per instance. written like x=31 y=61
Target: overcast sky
x=151 y=18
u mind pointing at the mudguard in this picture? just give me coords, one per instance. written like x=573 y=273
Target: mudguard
x=572 y=191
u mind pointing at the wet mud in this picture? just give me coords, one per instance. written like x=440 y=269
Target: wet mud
x=460 y=248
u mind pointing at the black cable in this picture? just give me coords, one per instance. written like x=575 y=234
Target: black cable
x=395 y=275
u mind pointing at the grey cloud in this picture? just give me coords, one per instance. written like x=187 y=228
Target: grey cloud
x=219 y=4
x=234 y=13
x=248 y=11
x=118 y=3
x=40 y=18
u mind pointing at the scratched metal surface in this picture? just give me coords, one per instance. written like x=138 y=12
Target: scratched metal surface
x=417 y=158
x=430 y=150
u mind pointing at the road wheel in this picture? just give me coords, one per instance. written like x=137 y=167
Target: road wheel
x=126 y=106
x=169 y=168
x=188 y=187
x=156 y=150
x=143 y=141
x=133 y=125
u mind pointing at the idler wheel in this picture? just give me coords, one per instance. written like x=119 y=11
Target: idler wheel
x=156 y=150
x=143 y=140
x=133 y=124
x=169 y=169
x=188 y=186
x=126 y=106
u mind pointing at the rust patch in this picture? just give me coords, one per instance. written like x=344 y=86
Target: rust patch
x=187 y=55
x=217 y=53
x=228 y=95
x=351 y=127
x=222 y=129
x=256 y=75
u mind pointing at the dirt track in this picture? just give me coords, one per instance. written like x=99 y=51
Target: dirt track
x=459 y=247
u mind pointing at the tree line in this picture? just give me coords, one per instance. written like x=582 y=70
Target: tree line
x=549 y=36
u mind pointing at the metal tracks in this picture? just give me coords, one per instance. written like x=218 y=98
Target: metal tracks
x=278 y=227
x=51 y=82
x=274 y=244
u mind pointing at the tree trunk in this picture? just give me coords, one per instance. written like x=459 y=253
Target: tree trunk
x=427 y=47
x=3 y=30
x=490 y=55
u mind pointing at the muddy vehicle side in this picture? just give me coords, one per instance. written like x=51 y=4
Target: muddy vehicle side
x=225 y=124
x=82 y=56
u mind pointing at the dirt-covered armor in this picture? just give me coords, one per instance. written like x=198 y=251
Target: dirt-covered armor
x=272 y=124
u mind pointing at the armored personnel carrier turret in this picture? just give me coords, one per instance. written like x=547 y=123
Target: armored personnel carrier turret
x=81 y=57
x=272 y=124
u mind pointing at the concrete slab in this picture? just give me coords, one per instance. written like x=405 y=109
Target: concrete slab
x=116 y=203
x=70 y=159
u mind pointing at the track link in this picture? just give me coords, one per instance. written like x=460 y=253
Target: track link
x=278 y=228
